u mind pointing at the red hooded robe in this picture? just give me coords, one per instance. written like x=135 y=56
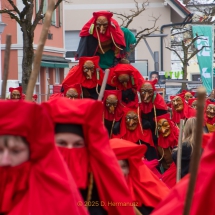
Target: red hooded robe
x=145 y=187
x=43 y=184
x=11 y=89
x=110 y=183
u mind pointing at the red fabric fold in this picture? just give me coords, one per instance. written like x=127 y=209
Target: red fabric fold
x=146 y=188
x=169 y=176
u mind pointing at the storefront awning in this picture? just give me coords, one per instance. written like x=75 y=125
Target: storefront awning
x=50 y=64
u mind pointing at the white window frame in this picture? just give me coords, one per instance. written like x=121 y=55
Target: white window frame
x=57 y=76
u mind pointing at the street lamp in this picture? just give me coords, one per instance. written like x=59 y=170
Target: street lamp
x=155 y=55
x=2 y=26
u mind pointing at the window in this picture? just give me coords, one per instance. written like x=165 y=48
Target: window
x=196 y=77
x=71 y=43
x=57 y=76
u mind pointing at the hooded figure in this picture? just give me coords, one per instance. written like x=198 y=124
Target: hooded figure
x=15 y=93
x=72 y=91
x=167 y=139
x=101 y=187
x=152 y=105
x=112 y=108
x=210 y=115
x=188 y=95
x=88 y=74
x=203 y=196
x=42 y=184
x=130 y=129
x=125 y=78
x=102 y=36
x=147 y=189
x=181 y=109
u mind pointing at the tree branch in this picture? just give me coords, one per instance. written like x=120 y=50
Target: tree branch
x=11 y=14
x=14 y=6
x=196 y=52
x=175 y=53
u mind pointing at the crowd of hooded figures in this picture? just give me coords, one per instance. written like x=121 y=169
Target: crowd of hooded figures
x=75 y=155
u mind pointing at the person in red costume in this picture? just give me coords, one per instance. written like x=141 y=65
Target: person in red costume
x=188 y=95
x=125 y=78
x=15 y=93
x=167 y=140
x=72 y=91
x=88 y=74
x=131 y=129
x=102 y=36
x=152 y=105
x=34 y=178
x=203 y=198
x=84 y=143
x=147 y=190
x=112 y=108
x=193 y=103
x=181 y=109
x=210 y=115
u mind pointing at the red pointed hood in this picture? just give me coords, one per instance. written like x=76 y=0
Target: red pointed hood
x=172 y=139
x=76 y=76
x=113 y=28
x=110 y=183
x=75 y=86
x=49 y=180
x=11 y=89
x=210 y=121
x=118 y=110
x=146 y=188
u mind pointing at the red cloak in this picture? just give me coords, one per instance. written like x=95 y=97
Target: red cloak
x=145 y=187
x=172 y=139
x=76 y=76
x=48 y=187
x=113 y=28
x=186 y=113
x=138 y=134
x=118 y=110
x=203 y=198
x=110 y=183
x=157 y=101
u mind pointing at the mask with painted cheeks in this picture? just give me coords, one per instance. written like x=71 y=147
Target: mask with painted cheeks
x=72 y=93
x=102 y=24
x=131 y=120
x=188 y=96
x=88 y=69
x=164 y=127
x=111 y=103
x=210 y=111
x=124 y=79
x=15 y=94
x=177 y=103
x=146 y=93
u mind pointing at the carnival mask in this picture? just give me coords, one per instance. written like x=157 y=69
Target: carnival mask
x=72 y=93
x=188 y=96
x=194 y=104
x=164 y=127
x=210 y=111
x=146 y=92
x=124 y=79
x=102 y=24
x=178 y=104
x=111 y=103
x=15 y=94
x=131 y=120
x=88 y=69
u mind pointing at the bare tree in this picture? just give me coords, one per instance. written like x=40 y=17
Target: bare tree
x=27 y=22
x=185 y=50
x=127 y=19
